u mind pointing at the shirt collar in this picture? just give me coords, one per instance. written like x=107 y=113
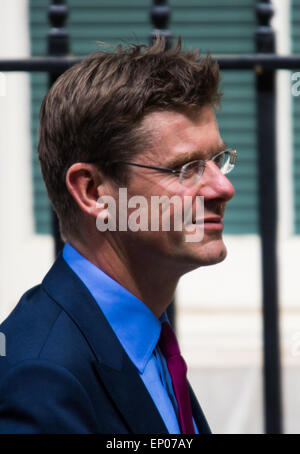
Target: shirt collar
x=133 y=322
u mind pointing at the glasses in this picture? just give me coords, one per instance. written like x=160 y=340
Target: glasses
x=191 y=172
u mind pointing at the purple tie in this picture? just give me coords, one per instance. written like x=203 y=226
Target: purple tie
x=177 y=369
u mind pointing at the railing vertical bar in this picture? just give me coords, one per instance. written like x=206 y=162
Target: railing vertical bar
x=160 y=16
x=266 y=134
x=58 y=46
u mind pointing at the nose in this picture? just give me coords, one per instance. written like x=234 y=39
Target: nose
x=215 y=185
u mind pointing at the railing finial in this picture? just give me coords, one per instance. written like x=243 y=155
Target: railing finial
x=58 y=38
x=265 y=36
x=160 y=15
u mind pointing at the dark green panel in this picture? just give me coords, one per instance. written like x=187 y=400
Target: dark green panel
x=237 y=127
x=218 y=26
x=295 y=41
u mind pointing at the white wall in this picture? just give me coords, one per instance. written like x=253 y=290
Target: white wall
x=25 y=256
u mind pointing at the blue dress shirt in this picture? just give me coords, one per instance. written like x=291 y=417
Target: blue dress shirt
x=137 y=333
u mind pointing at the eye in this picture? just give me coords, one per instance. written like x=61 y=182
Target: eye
x=187 y=170
x=190 y=169
x=191 y=172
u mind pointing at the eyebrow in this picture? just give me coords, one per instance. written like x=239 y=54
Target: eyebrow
x=183 y=158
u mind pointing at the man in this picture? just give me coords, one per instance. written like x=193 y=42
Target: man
x=90 y=350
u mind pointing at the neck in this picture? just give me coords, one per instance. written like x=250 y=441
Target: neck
x=148 y=279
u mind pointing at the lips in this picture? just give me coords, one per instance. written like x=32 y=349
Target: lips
x=215 y=219
x=213 y=224
x=209 y=220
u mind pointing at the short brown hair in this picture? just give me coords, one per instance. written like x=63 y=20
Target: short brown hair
x=94 y=111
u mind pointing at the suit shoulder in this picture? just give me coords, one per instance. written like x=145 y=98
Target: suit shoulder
x=28 y=325
x=40 y=329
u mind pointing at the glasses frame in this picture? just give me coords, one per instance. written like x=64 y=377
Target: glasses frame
x=233 y=157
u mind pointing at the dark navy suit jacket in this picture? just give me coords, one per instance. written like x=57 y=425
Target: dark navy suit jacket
x=65 y=370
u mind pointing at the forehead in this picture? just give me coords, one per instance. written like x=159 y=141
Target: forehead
x=176 y=135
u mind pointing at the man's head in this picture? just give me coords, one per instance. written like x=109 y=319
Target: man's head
x=140 y=105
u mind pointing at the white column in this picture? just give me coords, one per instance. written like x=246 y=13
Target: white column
x=288 y=242
x=281 y=24
x=25 y=256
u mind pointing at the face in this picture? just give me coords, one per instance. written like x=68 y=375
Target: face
x=177 y=140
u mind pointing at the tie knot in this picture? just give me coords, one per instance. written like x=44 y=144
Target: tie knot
x=167 y=341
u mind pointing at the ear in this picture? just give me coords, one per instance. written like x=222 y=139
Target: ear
x=85 y=183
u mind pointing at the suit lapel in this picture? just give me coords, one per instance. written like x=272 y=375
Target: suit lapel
x=198 y=415
x=131 y=398
x=115 y=370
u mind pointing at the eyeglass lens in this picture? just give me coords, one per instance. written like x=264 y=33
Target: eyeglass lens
x=192 y=172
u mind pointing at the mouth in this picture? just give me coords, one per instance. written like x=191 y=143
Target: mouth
x=210 y=223
x=214 y=223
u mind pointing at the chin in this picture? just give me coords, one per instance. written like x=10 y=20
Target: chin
x=209 y=253
x=216 y=257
